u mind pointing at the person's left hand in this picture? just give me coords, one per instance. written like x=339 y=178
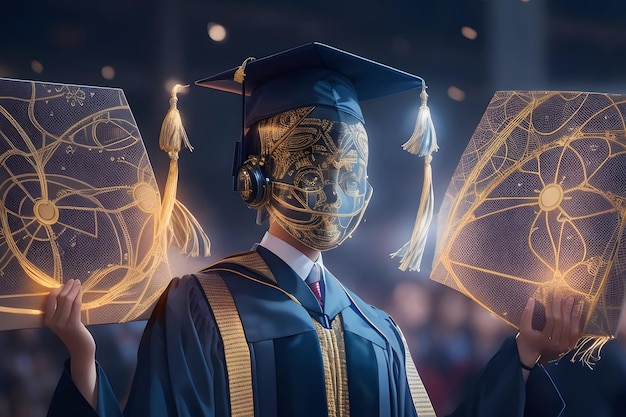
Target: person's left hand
x=559 y=335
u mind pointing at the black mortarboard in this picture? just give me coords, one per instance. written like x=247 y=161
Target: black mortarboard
x=320 y=75
x=308 y=75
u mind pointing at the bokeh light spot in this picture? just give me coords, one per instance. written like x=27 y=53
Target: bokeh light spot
x=36 y=66
x=216 y=32
x=469 y=33
x=456 y=93
x=108 y=72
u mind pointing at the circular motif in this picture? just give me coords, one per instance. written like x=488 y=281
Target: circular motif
x=78 y=199
x=550 y=197
x=537 y=204
x=46 y=212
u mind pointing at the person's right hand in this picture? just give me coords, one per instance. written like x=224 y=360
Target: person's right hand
x=62 y=315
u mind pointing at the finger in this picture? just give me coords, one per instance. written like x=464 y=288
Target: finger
x=51 y=305
x=63 y=291
x=55 y=297
x=526 y=324
x=66 y=302
x=557 y=299
x=575 y=323
x=548 y=328
x=567 y=310
x=557 y=312
x=75 y=314
x=65 y=288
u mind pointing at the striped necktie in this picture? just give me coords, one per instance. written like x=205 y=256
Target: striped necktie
x=313 y=280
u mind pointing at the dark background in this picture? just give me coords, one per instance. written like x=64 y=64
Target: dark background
x=532 y=45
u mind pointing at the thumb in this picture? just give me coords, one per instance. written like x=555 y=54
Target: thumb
x=527 y=316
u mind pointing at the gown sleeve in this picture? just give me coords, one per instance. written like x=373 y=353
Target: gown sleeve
x=69 y=402
x=180 y=366
x=501 y=391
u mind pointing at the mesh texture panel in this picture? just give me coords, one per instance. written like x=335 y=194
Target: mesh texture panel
x=536 y=204
x=78 y=200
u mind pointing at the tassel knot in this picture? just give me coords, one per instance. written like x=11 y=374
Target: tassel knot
x=423 y=141
x=240 y=74
x=173 y=132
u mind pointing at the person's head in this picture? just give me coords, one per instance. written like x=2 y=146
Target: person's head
x=303 y=158
x=315 y=163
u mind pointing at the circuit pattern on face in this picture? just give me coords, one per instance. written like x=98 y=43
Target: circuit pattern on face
x=318 y=173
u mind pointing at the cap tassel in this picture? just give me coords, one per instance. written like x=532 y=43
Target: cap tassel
x=422 y=142
x=588 y=350
x=182 y=226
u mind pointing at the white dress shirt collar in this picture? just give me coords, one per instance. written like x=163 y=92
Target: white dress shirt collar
x=290 y=255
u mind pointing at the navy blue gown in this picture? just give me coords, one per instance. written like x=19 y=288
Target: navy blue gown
x=181 y=368
x=599 y=391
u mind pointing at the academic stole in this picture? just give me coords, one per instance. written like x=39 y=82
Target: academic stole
x=237 y=353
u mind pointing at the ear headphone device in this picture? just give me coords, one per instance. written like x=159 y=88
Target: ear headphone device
x=252 y=183
x=250 y=180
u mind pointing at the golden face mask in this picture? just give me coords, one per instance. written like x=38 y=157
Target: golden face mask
x=318 y=173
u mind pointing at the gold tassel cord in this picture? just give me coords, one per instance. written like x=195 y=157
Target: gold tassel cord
x=588 y=350
x=187 y=233
x=183 y=228
x=412 y=252
x=422 y=142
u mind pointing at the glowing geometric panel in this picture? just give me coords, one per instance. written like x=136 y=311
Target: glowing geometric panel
x=537 y=203
x=78 y=199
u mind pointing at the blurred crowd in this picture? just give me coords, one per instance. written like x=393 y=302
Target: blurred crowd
x=450 y=337
x=32 y=360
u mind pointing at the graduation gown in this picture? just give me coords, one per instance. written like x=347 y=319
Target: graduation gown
x=599 y=391
x=181 y=369
x=500 y=390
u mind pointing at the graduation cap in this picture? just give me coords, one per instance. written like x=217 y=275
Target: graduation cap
x=537 y=204
x=79 y=199
x=316 y=74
